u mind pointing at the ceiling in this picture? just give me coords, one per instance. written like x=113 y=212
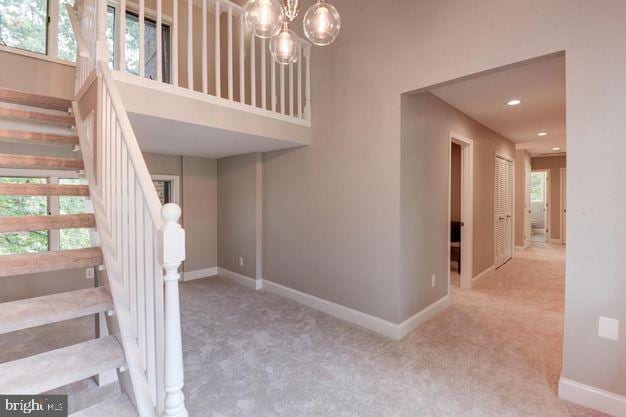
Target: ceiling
x=541 y=87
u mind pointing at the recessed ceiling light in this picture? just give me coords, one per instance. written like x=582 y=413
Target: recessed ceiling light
x=514 y=102
x=542 y=134
x=556 y=149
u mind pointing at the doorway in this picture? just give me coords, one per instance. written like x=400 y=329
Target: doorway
x=460 y=210
x=563 y=205
x=539 y=203
x=527 y=208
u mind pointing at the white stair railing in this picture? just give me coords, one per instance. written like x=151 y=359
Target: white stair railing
x=142 y=242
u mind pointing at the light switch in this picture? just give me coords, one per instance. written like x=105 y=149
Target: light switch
x=608 y=328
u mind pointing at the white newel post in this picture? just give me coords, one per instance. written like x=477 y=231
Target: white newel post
x=173 y=246
x=102 y=47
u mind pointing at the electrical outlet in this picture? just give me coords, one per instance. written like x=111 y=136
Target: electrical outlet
x=433 y=280
x=241 y=261
x=608 y=328
x=89 y=273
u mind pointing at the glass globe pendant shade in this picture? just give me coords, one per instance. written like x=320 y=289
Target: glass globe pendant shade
x=264 y=17
x=284 y=47
x=322 y=23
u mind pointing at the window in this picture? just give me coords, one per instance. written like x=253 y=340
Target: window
x=23 y=242
x=537 y=187
x=24 y=24
x=66 y=41
x=164 y=190
x=41 y=241
x=132 y=45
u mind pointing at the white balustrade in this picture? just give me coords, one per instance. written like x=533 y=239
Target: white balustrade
x=142 y=242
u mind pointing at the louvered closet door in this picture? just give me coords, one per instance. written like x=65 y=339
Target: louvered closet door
x=503 y=211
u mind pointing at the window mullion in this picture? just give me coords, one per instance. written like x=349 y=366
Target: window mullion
x=53 y=28
x=54 y=236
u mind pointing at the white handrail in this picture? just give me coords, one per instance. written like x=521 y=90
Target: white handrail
x=142 y=243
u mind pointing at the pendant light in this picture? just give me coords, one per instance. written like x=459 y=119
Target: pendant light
x=284 y=47
x=322 y=23
x=264 y=17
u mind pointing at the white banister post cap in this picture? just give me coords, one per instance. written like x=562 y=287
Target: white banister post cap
x=171 y=213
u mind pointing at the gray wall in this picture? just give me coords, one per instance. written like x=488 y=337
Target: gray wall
x=198 y=201
x=424 y=200
x=522 y=158
x=237 y=213
x=332 y=210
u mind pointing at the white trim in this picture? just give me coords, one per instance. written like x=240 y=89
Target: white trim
x=207 y=98
x=486 y=272
x=563 y=173
x=175 y=180
x=36 y=55
x=548 y=202
x=255 y=284
x=199 y=273
x=386 y=328
x=591 y=397
x=467 y=207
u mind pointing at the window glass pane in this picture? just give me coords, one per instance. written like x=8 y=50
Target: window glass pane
x=23 y=24
x=537 y=187
x=73 y=238
x=66 y=39
x=110 y=37
x=23 y=242
x=163 y=189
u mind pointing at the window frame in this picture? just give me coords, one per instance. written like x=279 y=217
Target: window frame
x=543 y=188
x=52 y=28
x=54 y=202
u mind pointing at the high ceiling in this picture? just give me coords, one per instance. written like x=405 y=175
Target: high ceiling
x=541 y=87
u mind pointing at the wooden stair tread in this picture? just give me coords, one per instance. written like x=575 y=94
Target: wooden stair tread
x=56 y=368
x=44 y=189
x=41 y=162
x=32 y=312
x=35 y=116
x=34 y=223
x=34 y=100
x=29 y=263
x=119 y=406
x=38 y=137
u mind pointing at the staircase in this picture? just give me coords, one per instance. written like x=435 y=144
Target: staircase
x=38 y=120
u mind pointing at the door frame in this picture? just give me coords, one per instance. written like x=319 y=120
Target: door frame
x=548 y=202
x=511 y=160
x=175 y=180
x=467 y=207
x=563 y=221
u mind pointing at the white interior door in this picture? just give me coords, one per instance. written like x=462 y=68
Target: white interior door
x=503 y=210
x=563 y=204
x=527 y=210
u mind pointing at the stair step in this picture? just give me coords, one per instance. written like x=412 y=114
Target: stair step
x=34 y=100
x=38 y=137
x=56 y=368
x=39 y=162
x=36 y=116
x=52 y=222
x=29 y=263
x=118 y=407
x=44 y=189
x=32 y=312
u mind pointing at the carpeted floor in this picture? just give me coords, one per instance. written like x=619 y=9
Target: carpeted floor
x=496 y=352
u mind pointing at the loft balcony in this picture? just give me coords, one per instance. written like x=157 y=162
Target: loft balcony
x=194 y=80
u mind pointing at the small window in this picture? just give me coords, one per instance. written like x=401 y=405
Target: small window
x=66 y=41
x=164 y=190
x=24 y=24
x=537 y=187
x=73 y=238
x=10 y=205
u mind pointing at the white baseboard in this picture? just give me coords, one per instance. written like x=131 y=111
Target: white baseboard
x=590 y=397
x=483 y=274
x=376 y=324
x=255 y=284
x=199 y=273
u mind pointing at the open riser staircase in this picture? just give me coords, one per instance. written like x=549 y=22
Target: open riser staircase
x=138 y=244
